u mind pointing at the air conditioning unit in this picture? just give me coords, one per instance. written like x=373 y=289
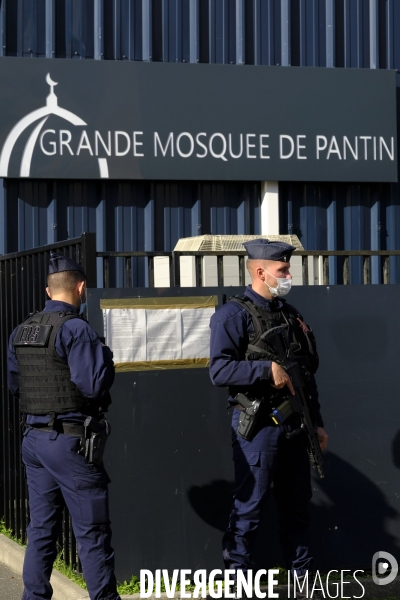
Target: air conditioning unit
x=230 y=243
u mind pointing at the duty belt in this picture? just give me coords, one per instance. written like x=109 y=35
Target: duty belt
x=93 y=435
x=66 y=428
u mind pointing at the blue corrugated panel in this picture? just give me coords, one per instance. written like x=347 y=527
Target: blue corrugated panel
x=125 y=215
x=344 y=217
x=263 y=32
x=74 y=29
x=25 y=27
x=342 y=33
x=392 y=221
x=175 y=19
x=352 y=24
x=308 y=33
x=123 y=23
x=389 y=34
x=222 y=31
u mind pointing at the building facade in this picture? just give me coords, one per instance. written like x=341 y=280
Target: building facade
x=153 y=215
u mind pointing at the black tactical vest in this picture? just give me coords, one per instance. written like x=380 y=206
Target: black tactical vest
x=45 y=385
x=301 y=337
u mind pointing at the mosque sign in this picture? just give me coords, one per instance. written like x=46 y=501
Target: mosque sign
x=131 y=120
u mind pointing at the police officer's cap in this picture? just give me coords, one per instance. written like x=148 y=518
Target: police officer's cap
x=262 y=249
x=59 y=263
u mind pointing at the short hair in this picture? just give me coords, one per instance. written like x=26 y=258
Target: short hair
x=252 y=262
x=249 y=264
x=65 y=281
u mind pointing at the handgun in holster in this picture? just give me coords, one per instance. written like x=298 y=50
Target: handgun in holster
x=248 y=415
x=96 y=435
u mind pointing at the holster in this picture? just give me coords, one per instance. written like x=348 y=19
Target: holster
x=248 y=415
x=96 y=435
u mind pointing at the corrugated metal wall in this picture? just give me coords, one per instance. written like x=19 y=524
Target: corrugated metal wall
x=341 y=33
x=344 y=217
x=126 y=215
x=326 y=33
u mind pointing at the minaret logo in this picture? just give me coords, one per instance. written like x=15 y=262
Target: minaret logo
x=51 y=108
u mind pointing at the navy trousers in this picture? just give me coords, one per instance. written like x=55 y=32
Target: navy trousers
x=56 y=474
x=269 y=459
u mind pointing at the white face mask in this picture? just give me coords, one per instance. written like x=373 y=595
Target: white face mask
x=284 y=285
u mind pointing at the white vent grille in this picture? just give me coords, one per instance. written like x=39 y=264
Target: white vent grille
x=229 y=243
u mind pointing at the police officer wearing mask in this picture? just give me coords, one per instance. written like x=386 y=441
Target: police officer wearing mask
x=269 y=457
x=62 y=373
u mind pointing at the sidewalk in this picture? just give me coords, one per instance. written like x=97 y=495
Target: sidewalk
x=11 y=586
x=12 y=556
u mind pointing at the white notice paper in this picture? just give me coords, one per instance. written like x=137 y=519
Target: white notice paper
x=196 y=332
x=162 y=338
x=148 y=335
x=125 y=332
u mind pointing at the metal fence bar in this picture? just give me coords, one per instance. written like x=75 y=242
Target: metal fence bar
x=175 y=270
x=386 y=270
x=319 y=267
x=128 y=271
x=242 y=270
x=199 y=282
x=220 y=270
x=325 y=269
x=346 y=271
x=106 y=272
x=151 y=271
x=367 y=269
x=87 y=247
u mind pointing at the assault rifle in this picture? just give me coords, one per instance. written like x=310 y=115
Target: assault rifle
x=298 y=404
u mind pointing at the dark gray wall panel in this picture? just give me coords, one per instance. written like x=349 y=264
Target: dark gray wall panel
x=169 y=456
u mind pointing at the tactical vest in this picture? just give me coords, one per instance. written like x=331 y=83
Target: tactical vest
x=45 y=385
x=301 y=337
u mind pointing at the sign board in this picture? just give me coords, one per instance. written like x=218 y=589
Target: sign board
x=135 y=120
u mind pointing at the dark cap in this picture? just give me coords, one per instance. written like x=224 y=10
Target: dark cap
x=59 y=263
x=262 y=249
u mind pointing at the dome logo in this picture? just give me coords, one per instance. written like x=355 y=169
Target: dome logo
x=41 y=114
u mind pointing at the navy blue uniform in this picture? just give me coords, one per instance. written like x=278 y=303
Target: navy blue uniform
x=56 y=473
x=269 y=457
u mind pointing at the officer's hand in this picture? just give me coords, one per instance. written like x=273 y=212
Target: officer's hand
x=280 y=378
x=322 y=437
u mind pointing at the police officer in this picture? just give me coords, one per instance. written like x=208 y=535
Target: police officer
x=62 y=373
x=269 y=457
